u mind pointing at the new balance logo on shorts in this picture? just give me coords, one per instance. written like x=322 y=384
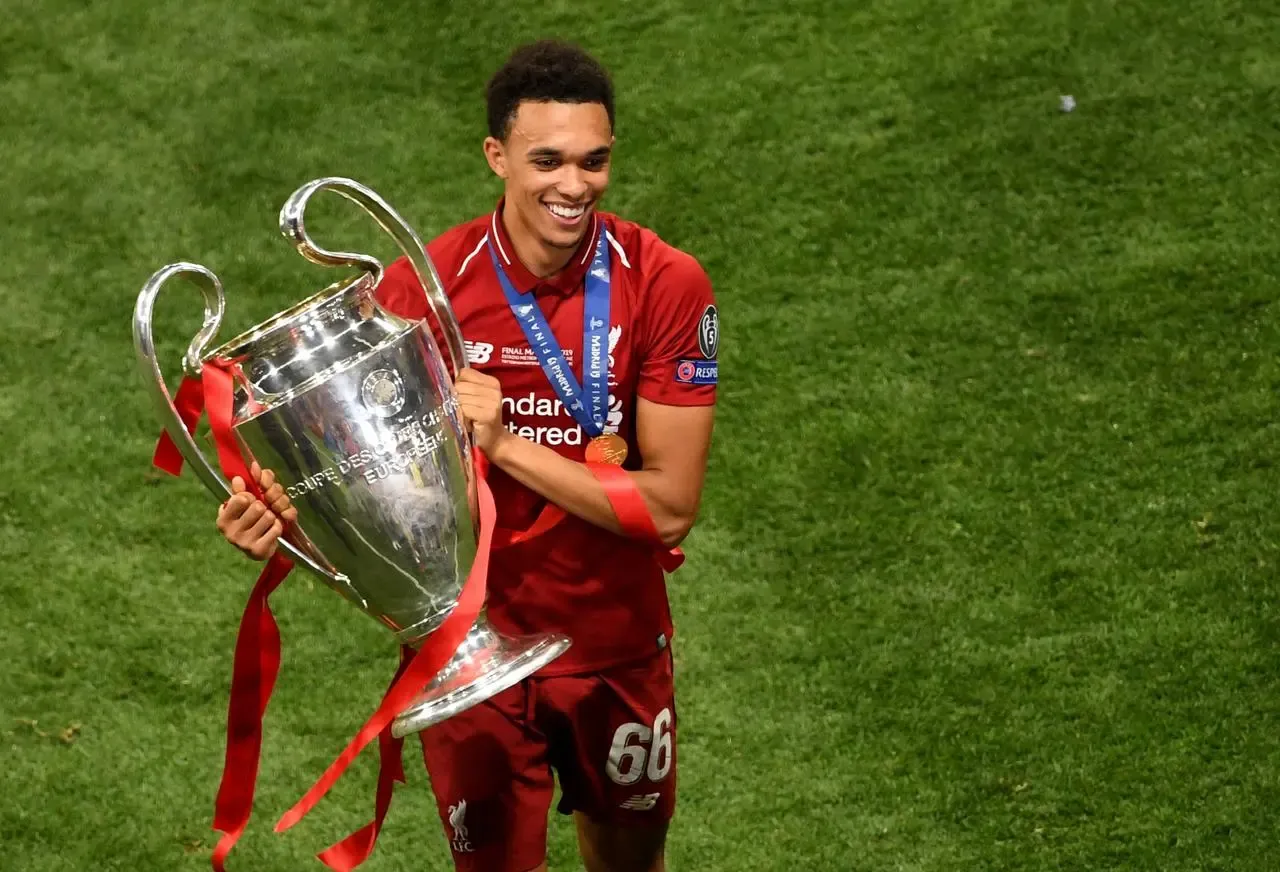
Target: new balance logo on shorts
x=642 y=802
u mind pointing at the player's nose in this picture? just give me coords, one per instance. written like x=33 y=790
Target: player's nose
x=573 y=185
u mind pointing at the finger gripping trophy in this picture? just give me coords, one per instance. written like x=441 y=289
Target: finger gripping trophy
x=354 y=409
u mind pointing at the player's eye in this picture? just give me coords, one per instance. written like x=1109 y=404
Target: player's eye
x=546 y=163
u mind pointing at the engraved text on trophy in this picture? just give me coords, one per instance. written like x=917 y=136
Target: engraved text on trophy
x=415 y=441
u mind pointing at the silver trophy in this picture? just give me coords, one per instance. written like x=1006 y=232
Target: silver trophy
x=355 y=411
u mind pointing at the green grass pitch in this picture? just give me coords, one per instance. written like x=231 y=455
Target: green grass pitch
x=985 y=575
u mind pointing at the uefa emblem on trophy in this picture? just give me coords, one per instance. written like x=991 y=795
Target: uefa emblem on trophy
x=353 y=408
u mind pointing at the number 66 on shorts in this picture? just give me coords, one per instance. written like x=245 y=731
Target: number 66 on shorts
x=641 y=750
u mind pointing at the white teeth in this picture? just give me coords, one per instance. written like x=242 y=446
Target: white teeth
x=566 y=212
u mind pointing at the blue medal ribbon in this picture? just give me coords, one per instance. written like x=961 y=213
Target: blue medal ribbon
x=587 y=402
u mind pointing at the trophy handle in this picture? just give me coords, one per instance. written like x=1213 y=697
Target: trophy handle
x=291 y=225
x=214 y=306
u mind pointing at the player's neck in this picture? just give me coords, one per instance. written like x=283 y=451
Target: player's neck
x=541 y=260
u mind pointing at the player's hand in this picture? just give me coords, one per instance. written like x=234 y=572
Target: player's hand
x=252 y=525
x=480 y=402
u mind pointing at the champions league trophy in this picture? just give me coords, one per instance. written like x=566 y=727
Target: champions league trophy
x=354 y=411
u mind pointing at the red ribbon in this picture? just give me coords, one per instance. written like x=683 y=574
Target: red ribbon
x=550 y=515
x=632 y=512
x=356 y=848
x=189 y=403
x=628 y=506
x=257 y=654
x=253 y=677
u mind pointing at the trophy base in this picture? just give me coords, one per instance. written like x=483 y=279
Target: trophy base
x=485 y=664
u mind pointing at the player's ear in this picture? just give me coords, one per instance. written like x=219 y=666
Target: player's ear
x=496 y=155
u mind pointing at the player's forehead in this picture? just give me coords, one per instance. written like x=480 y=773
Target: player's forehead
x=572 y=129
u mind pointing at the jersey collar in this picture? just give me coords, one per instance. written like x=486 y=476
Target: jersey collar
x=567 y=281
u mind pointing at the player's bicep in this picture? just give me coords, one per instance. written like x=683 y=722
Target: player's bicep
x=674 y=442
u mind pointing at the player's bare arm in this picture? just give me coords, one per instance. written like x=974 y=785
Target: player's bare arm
x=673 y=440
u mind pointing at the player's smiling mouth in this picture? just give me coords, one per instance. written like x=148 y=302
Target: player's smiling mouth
x=568 y=215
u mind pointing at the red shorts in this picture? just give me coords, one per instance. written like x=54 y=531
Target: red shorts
x=610 y=737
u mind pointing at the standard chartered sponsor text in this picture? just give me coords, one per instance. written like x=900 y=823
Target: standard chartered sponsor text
x=532 y=406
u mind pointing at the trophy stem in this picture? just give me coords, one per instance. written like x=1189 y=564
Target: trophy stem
x=485 y=664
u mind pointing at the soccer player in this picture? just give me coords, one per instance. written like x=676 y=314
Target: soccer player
x=602 y=716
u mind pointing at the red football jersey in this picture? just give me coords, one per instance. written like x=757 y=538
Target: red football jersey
x=604 y=591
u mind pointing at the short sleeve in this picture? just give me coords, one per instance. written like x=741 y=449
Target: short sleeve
x=401 y=293
x=678 y=364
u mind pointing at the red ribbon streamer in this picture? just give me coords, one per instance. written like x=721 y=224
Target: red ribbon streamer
x=257 y=653
x=633 y=513
x=356 y=848
x=628 y=506
x=218 y=403
x=550 y=515
x=253 y=677
x=189 y=403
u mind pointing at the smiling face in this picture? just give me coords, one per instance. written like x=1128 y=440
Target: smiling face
x=554 y=162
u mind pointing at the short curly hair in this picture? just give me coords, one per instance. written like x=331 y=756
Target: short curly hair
x=549 y=70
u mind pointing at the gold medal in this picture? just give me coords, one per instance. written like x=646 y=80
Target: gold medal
x=607 y=448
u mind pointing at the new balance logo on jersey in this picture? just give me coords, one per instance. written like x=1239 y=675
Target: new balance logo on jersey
x=458 y=821
x=478 y=352
x=642 y=802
